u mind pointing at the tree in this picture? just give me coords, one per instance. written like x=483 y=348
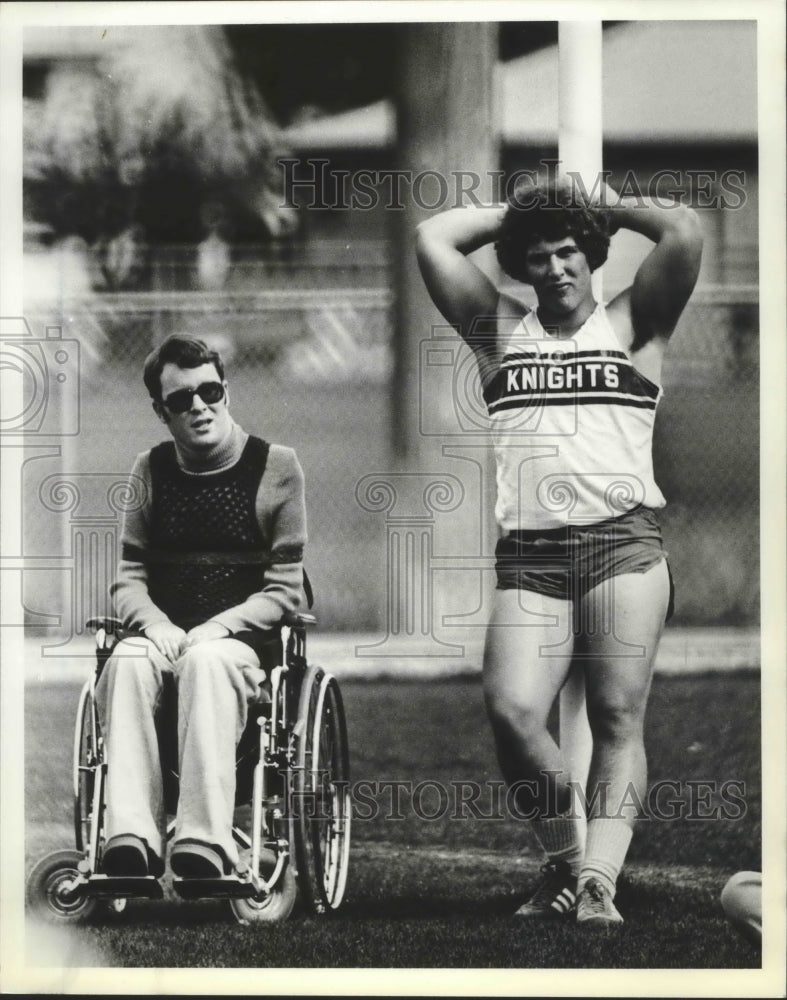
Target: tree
x=157 y=136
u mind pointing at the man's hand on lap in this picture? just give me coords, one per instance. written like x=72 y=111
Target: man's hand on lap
x=206 y=632
x=168 y=639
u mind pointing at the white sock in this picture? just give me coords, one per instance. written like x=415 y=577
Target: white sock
x=605 y=851
x=559 y=837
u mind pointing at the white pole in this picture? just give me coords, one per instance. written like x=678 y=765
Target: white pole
x=580 y=150
x=580 y=130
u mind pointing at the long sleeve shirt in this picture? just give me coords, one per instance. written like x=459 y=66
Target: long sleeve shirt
x=281 y=513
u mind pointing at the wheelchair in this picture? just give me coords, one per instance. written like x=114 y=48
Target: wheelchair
x=292 y=818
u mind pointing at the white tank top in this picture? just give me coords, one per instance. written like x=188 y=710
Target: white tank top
x=572 y=424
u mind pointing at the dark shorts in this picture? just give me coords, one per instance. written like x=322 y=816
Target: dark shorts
x=568 y=562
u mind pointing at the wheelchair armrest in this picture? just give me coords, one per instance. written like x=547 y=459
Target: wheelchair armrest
x=109 y=625
x=293 y=619
x=107 y=633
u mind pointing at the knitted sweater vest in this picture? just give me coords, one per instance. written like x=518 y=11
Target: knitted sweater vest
x=207 y=551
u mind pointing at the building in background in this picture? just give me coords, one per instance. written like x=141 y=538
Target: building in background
x=679 y=97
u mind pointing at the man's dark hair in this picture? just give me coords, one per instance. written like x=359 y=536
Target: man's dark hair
x=183 y=351
x=549 y=212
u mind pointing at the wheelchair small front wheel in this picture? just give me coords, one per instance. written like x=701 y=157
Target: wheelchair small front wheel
x=115 y=907
x=53 y=893
x=270 y=909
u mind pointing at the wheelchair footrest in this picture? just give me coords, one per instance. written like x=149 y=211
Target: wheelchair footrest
x=230 y=886
x=114 y=886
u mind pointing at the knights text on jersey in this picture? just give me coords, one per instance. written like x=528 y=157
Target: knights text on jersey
x=572 y=423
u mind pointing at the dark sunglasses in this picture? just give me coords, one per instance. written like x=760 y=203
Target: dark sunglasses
x=181 y=400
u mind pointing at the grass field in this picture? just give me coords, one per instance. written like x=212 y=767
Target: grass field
x=440 y=893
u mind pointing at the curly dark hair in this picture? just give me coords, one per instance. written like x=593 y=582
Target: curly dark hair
x=180 y=350
x=549 y=212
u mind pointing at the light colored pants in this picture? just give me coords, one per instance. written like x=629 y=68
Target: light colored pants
x=216 y=682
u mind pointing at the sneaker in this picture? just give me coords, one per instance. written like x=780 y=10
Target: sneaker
x=555 y=898
x=595 y=906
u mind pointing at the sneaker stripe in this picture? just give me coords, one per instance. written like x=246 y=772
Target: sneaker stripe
x=553 y=897
x=564 y=901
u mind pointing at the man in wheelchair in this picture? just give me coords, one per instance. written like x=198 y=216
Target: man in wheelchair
x=211 y=561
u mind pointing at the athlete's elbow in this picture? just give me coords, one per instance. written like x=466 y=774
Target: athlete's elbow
x=427 y=233
x=421 y=235
x=429 y=245
x=442 y=229
x=687 y=224
x=685 y=237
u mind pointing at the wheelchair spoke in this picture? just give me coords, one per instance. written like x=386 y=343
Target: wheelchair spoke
x=323 y=800
x=87 y=762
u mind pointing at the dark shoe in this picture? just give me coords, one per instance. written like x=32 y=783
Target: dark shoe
x=125 y=856
x=555 y=898
x=193 y=859
x=155 y=864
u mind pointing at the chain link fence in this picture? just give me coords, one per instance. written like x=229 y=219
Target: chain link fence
x=308 y=347
x=706 y=453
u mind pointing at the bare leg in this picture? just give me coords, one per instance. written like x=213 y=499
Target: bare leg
x=528 y=655
x=621 y=623
x=525 y=664
x=618 y=660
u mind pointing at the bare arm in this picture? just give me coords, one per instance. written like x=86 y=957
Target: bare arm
x=667 y=276
x=459 y=288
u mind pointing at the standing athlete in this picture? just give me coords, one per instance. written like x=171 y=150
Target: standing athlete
x=581 y=570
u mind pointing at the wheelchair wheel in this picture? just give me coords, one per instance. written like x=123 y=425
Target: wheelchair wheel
x=271 y=908
x=50 y=895
x=85 y=761
x=322 y=793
